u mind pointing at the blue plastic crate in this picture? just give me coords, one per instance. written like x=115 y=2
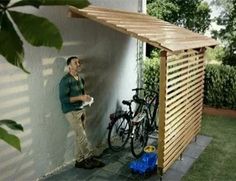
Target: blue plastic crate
x=145 y=164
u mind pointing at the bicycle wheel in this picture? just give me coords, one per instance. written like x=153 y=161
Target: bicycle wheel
x=139 y=137
x=119 y=133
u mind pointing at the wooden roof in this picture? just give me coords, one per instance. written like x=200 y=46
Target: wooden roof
x=146 y=28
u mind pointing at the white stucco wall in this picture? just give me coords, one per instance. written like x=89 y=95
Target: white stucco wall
x=110 y=71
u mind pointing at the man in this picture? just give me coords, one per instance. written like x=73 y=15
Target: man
x=72 y=95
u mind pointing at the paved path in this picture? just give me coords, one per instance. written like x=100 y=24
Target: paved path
x=117 y=166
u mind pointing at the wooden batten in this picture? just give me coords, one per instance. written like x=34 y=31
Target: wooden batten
x=185 y=86
x=185 y=93
x=173 y=113
x=180 y=84
x=177 y=103
x=72 y=14
x=182 y=78
x=187 y=111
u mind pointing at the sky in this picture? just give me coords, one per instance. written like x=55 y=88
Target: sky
x=215 y=13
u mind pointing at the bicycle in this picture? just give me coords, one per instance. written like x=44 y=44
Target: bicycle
x=145 y=121
x=126 y=124
x=120 y=126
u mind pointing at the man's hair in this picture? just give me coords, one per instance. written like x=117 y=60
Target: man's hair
x=70 y=59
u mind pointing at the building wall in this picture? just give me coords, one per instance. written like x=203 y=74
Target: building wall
x=110 y=71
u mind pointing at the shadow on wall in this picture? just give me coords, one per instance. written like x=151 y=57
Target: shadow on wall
x=14 y=97
x=33 y=101
x=105 y=54
x=52 y=133
x=104 y=79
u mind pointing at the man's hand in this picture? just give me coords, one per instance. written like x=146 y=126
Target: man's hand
x=85 y=98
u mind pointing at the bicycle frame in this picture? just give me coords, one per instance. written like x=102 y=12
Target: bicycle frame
x=152 y=115
x=128 y=114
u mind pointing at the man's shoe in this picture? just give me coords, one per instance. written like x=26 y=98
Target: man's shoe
x=96 y=163
x=86 y=164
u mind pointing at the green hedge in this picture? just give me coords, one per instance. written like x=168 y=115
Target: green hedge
x=219 y=88
x=151 y=74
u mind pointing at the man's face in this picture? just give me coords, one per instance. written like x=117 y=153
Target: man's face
x=75 y=64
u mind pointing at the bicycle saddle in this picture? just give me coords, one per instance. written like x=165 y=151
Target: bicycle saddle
x=128 y=103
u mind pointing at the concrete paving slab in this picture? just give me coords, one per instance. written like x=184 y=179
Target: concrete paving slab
x=173 y=175
x=183 y=165
x=193 y=150
x=203 y=140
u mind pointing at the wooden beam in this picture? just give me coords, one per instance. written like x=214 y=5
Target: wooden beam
x=72 y=14
x=162 y=108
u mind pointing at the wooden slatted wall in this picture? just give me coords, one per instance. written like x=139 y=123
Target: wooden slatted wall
x=181 y=100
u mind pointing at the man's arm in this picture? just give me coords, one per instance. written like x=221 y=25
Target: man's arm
x=64 y=91
x=83 y=98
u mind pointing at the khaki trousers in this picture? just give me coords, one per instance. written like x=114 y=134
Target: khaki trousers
x=77 y=121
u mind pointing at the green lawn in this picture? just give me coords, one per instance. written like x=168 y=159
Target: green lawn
x=218 y=161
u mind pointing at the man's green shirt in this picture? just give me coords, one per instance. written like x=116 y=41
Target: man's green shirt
x=70 y=87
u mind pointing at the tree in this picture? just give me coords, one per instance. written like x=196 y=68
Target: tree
x=191 y=14
x=227 y=35
x=37 y=31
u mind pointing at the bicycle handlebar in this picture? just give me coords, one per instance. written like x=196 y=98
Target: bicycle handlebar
x=149 y=90
x=128 y=103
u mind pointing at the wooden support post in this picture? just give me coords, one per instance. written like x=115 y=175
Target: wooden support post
x=181 y=157
x=162 y=109
x=202 y=51
x=161 y=173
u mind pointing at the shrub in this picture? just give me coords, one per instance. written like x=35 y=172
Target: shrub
x=151 y=74
x=215 y=54
x=229 y=59
x=219 y=88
